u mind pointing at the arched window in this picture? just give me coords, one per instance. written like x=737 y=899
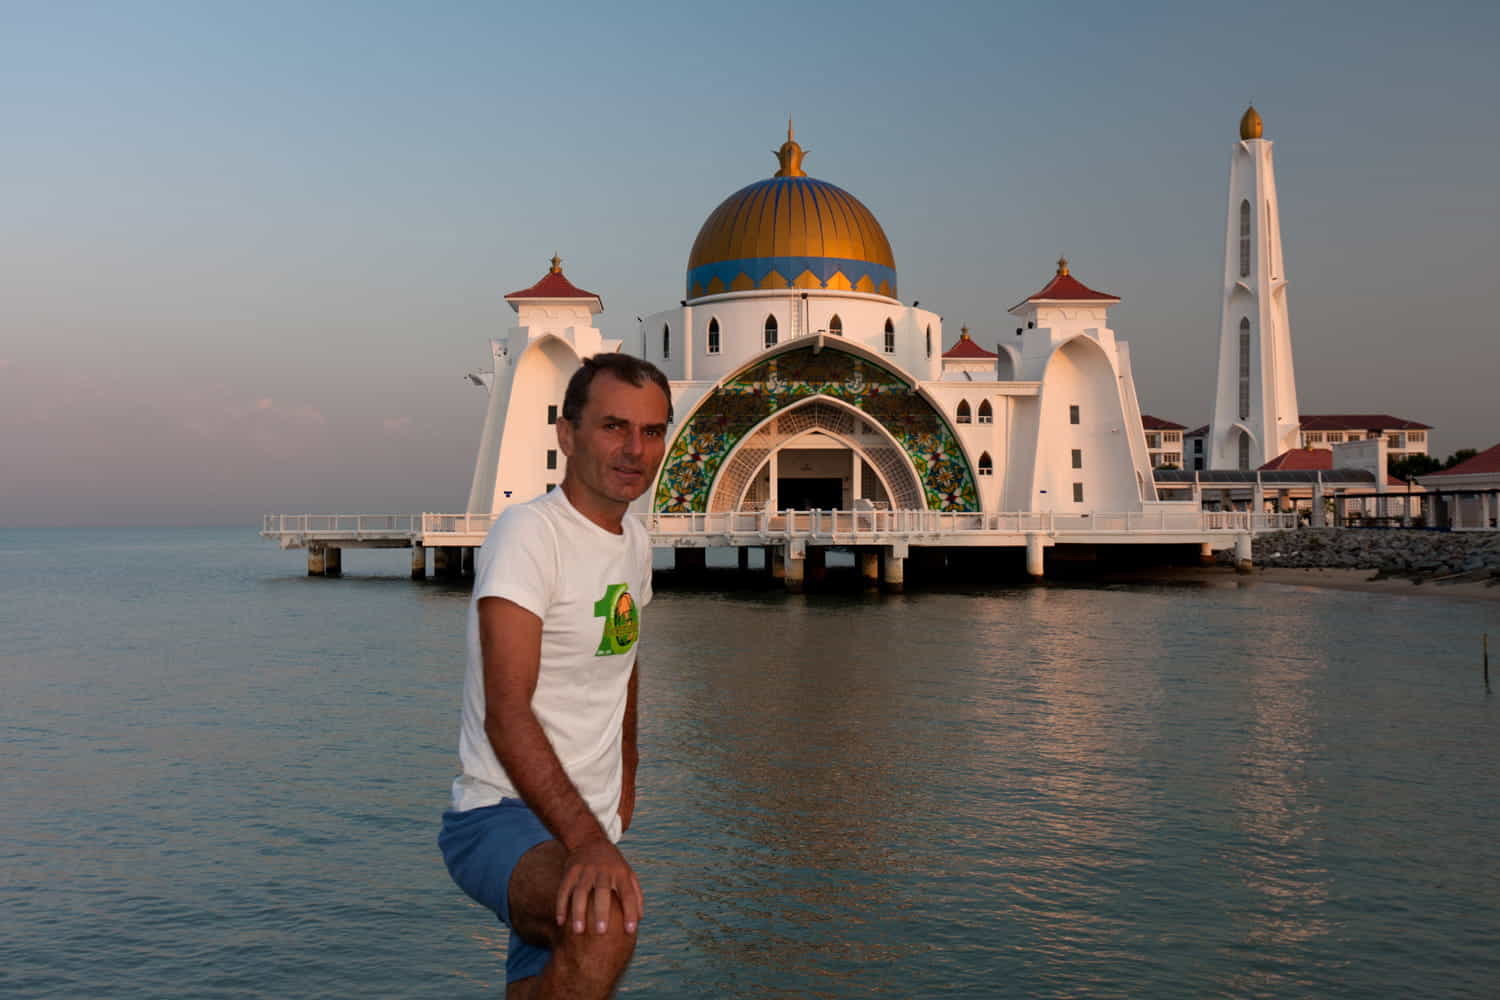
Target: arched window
x=713 y=336
x=666 y=341
x=929 y=341
x=986 y=466
x=964 y=414
x=836 y=326
x=1244 y=451
x=1245 y=368
x=986 y=414
x=770 y=331
x=1244 y=239
x=890 y=337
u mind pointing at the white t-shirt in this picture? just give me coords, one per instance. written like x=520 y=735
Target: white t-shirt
x=587 y=586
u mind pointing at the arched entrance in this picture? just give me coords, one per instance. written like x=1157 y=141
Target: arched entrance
x=819 y=453
x=779 y=381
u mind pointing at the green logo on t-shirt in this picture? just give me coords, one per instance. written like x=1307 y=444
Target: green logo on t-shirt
x=622 y=622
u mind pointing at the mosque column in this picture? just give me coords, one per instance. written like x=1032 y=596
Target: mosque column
x=773 y=464
x=895 y=568
x=1242 y=553
x=856 y=477
x=418 y=561
x=1035 y=559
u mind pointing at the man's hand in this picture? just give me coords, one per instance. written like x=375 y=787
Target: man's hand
x=594 y=871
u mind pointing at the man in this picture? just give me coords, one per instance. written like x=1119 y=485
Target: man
x=548 y=739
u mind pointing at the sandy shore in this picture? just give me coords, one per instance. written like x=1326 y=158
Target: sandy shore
x=1338 y=579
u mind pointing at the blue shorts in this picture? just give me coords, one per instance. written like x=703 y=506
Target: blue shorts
x=482 y=847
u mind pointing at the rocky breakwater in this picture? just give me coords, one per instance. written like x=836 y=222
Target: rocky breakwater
x=1417 y=555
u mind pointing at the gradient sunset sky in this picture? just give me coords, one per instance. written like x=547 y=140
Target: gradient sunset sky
x=251 y=249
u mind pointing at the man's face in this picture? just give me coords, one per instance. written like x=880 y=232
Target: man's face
x=618 y=443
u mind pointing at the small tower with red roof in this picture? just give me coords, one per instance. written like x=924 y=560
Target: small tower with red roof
x=518 y=453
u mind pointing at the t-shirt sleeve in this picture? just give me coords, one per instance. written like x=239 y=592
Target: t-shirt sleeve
x=518 y=561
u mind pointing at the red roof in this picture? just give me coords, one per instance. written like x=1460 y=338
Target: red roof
x=1065 y=288
x=1158 y=424
x=1487 y=462
x=967 y=348
x=554 y=285
x=1197 y=432
x=1359 y=422
x=1309 y=459
x=1300 y=459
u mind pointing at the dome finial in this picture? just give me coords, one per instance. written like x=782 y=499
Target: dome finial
x=1062 y=267
x=1251 y=127
x=963 y=332
x=556 y=264
x=790 y=155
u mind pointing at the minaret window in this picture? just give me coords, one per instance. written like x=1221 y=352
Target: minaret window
x=1073 y=416
x=1078 y=493
x=1244 y=239
x=770 y=331
x=1244 y=451
x=986 y=414
x=666 y=341
x=552 y=414
x=836 y=326
x=1245 y=369
x=890 y=337
x=1077 y=458
x=713 y=336
x=929 y=341
x=964 y=414
x=986 y=466
x=551 y=458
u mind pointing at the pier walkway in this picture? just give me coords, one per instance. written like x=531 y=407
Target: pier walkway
x=883 y=538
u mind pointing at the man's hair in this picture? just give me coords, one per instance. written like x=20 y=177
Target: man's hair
x=625 y=367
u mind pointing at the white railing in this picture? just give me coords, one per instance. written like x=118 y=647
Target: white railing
x=787 y=524
x=457 y=524
x=355 y=526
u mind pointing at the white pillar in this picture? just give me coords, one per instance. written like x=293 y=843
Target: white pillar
x=1242 y=553
x=1035 y=560
x=895 y=571
x=773 y=499
x=857 y=468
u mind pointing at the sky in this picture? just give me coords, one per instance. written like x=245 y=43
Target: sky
x=251 y=250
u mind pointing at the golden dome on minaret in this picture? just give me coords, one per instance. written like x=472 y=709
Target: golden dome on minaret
x=1251 y=126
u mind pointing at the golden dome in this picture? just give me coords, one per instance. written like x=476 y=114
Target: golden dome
x=791 y=231
x=1251 y=126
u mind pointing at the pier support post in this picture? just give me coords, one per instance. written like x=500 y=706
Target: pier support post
x=869 y=568
x=316 y=555
x=418 y=561
x=816 y=563
x=333 y=561
x=689 y=562
x=895 y=569
x=1206 y=554
x=776 y=562
x=442 y=566
x=466 y=565
x=794 y=567
x=744 y=556
x=1242 y=553
x=1035 y=559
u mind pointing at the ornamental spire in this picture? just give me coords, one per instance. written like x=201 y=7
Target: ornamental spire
x=790 y=155
x=1062 y=267
x=556 y=264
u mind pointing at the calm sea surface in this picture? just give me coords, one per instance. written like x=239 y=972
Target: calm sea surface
x=219 y=778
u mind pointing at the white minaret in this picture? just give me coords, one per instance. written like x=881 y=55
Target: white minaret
x=1255 y=408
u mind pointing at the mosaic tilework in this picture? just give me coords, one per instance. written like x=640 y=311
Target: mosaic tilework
x=733 y=408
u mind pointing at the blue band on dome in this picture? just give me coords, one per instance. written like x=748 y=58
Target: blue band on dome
x=790 y=268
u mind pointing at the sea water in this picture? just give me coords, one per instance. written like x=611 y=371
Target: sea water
x=221 y=778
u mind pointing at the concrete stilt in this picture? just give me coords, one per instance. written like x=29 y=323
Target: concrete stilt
x=333 y=561
x=1242 y=550
x=794 y=570
x=689 y=561
x=316 y=555
x=744 y=555
x=419 y=562
x=776 y=560
x=869 y=568
x=466 y=566
x=895 y=571
x=1206 y=554
x=1035 y=561
x=442 y=567
x=816 y=564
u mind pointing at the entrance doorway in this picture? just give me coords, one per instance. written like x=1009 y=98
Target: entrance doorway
x=810 y=494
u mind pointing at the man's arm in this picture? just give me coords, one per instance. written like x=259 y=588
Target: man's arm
x=629 y=750
x=510 y=639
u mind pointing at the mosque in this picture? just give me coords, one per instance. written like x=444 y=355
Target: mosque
x=800 y=380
